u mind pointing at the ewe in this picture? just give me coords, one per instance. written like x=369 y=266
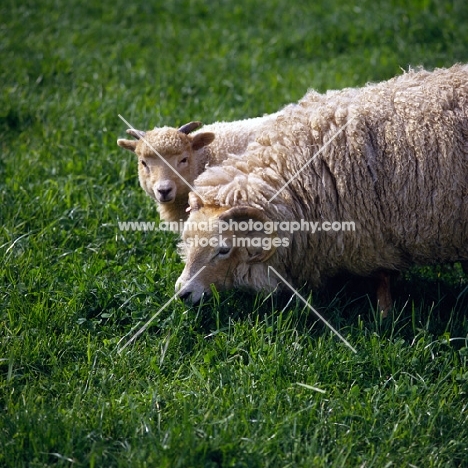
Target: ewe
x=391 y=157
x=167 y=177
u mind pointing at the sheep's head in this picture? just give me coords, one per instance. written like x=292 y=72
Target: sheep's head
x=232 y=243
x=167 y=160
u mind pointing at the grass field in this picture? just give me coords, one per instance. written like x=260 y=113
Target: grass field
x=239 y=381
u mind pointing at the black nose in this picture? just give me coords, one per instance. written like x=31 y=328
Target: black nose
x=185 y=295
x=164 y=192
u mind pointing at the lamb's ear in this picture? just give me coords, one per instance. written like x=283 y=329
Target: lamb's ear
x=129 y=145
x=261 y=247
x=195 y=202
x=202 y=139
x=190 y=127
x=136 y=133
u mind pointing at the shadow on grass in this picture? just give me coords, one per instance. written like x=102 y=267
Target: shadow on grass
x=431 y=298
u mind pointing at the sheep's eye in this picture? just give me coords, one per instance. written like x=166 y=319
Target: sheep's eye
x=143 y=163
x=182 y=161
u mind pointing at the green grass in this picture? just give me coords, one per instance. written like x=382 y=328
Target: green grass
x=234 y=381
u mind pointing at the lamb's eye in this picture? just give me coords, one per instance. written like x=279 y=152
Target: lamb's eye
x=182 y=161
x=224 y=250
x=144 y=164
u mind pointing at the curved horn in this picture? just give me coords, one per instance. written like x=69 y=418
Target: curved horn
x=136 y=133
x=244 y=212
x=190 y=127
x=256 y=255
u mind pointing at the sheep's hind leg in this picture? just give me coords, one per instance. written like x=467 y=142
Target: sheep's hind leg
x=465 y=266
x=384 y=295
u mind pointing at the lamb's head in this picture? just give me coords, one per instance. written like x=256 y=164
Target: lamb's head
x=225 y=246
x=168 y=160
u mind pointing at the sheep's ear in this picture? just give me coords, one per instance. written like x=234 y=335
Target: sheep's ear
x=255 y=251
x=202 y=139
x=190 y=127
x=258 y=254
x=129 y=145
x=195 y=202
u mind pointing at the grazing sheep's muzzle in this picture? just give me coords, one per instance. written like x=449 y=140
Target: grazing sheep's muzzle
x=189 y=292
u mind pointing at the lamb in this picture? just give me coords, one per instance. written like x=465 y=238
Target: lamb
x=184 y=155
x=390 y=157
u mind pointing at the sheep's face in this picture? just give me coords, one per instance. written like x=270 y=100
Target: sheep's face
x=212 y=239
x=167 y=162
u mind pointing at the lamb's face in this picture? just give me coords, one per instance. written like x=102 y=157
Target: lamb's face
x=167 y=162
x=215 y=254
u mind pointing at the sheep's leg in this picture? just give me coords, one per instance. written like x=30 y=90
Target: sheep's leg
x=465 y=267
x=384 y=295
